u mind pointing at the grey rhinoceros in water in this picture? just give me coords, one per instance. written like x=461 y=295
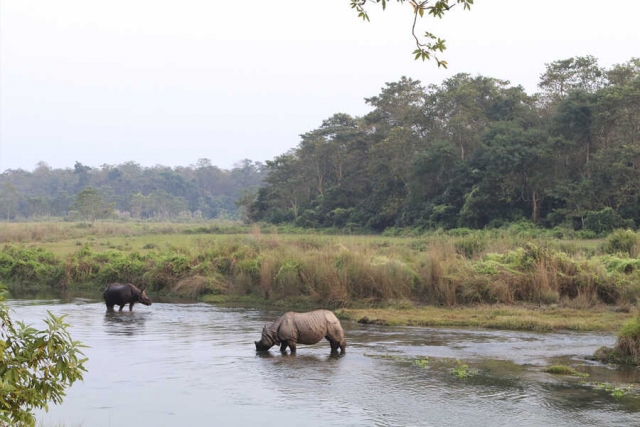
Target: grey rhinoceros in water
x=303 y=328
x=119 y=294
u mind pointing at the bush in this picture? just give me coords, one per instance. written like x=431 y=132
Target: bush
x=627 y=349
x=625 y=241
x=605 y=220
x=29 y=266
x=470 y=245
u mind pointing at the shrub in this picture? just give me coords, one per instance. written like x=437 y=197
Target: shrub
x=29 y=266
x=470 y=245
x=625 y=241
x=604 y=221
x=627 y=348
x=628 y=344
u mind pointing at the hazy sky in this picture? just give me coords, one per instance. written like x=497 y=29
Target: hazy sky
x=170 y=82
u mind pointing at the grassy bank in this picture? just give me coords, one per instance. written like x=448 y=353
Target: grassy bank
x=574 y=284
x=600 y=318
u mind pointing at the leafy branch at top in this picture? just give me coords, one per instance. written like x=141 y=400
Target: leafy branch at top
x=428 y=45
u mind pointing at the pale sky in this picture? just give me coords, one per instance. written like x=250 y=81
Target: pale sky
x=163 y=82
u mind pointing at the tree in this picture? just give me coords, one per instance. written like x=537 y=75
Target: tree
x=519 y=162
x=164 y=205
x=36 y=366
x=621 y=74
x=561 y=77
x=138 y=204
x=37 y=207
x=288 y=187
x=9 y=198
x=399 y=104
x=461 y=107
x=428 y=45
x=91 y=205
x=83 y=174
x=573 y=121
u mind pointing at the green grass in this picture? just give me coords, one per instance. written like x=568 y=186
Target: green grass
x=614 y=390
x=503 y=317
x=462 y=370
x=563 y=370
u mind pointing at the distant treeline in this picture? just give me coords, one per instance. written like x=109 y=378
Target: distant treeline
x=128 y=190
x=471 y=152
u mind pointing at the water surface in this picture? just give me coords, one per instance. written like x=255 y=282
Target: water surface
x=195 y=364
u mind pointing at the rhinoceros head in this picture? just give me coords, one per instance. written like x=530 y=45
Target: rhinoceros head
x=144 y=299
x=267 y=341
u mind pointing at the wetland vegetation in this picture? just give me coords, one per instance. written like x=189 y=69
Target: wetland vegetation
x=515 y=278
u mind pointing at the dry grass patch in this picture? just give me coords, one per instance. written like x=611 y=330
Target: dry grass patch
x=195 y=286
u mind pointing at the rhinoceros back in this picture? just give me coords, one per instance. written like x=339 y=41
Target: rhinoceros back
x=118 y=294
x=311 y=327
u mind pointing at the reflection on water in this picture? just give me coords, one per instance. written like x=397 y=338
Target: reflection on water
x=195 y=364
x=124 y=322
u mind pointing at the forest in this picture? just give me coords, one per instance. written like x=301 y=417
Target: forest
x=472 y=152
x=128 y=190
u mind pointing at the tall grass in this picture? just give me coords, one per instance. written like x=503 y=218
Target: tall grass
x=629 y=339
x=627 y=348
x=461 y=267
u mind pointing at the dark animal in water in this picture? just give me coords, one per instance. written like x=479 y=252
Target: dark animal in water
x=303 y=328
x=122 y=294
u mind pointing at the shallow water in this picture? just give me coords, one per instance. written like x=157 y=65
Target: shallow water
x=195 y=365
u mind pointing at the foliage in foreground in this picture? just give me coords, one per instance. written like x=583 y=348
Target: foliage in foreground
x=36 y=366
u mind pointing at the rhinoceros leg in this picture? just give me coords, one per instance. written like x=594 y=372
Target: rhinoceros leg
x=121 y=307
x=288 y=343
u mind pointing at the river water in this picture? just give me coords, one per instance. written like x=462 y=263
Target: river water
x=194 y=364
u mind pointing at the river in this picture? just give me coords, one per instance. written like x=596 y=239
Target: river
x=195 y=364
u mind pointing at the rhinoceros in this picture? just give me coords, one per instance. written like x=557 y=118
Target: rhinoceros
x=118 y=294
x=303 y=328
